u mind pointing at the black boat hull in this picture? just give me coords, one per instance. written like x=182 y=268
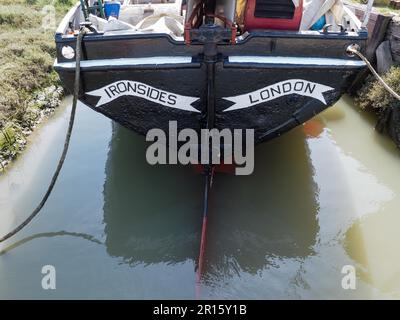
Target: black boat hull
x=259 y=84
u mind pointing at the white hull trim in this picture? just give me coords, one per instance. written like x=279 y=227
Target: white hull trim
x=124 y=62
x=296 y=61
x=274 y=60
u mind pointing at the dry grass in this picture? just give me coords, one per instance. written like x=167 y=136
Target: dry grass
x=27 y=53
x=26 y=66
x=19 y=16
x=373 y=96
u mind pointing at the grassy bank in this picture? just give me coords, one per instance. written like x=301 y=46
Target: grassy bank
x=381 y=6
x=28 y=85
x=374 y=97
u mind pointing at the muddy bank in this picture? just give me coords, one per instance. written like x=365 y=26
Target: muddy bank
x=13 y=135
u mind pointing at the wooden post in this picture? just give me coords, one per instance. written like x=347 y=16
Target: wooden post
x=393 y=35
x=378 y=35
x=377 y=26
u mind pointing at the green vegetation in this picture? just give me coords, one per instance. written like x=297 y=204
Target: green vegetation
x=27 y=53
x=376 y=2
x=373 y=96
x=381 y=6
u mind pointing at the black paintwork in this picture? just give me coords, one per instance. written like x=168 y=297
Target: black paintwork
x=268 y=119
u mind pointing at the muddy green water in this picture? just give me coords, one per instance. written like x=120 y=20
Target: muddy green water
x=322 y=196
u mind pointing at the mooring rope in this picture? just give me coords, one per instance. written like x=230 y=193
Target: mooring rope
x=353 y=50
x=78 y=51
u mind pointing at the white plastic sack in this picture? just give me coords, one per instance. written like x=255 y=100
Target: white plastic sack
x=162 y=23
x=315 y=9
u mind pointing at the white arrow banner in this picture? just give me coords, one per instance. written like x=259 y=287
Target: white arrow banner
x=279 y=89
x=138 y=89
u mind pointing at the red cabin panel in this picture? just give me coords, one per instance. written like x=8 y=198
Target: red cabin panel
x=272 y=14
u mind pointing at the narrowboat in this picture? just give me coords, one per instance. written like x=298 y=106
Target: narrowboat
x=267 y=65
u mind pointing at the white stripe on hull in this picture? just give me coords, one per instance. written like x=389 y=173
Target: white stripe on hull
x=125 y=62
x=296 y=61
x=232 y=59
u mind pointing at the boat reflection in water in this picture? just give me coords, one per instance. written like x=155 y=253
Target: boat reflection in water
x=152 y=214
